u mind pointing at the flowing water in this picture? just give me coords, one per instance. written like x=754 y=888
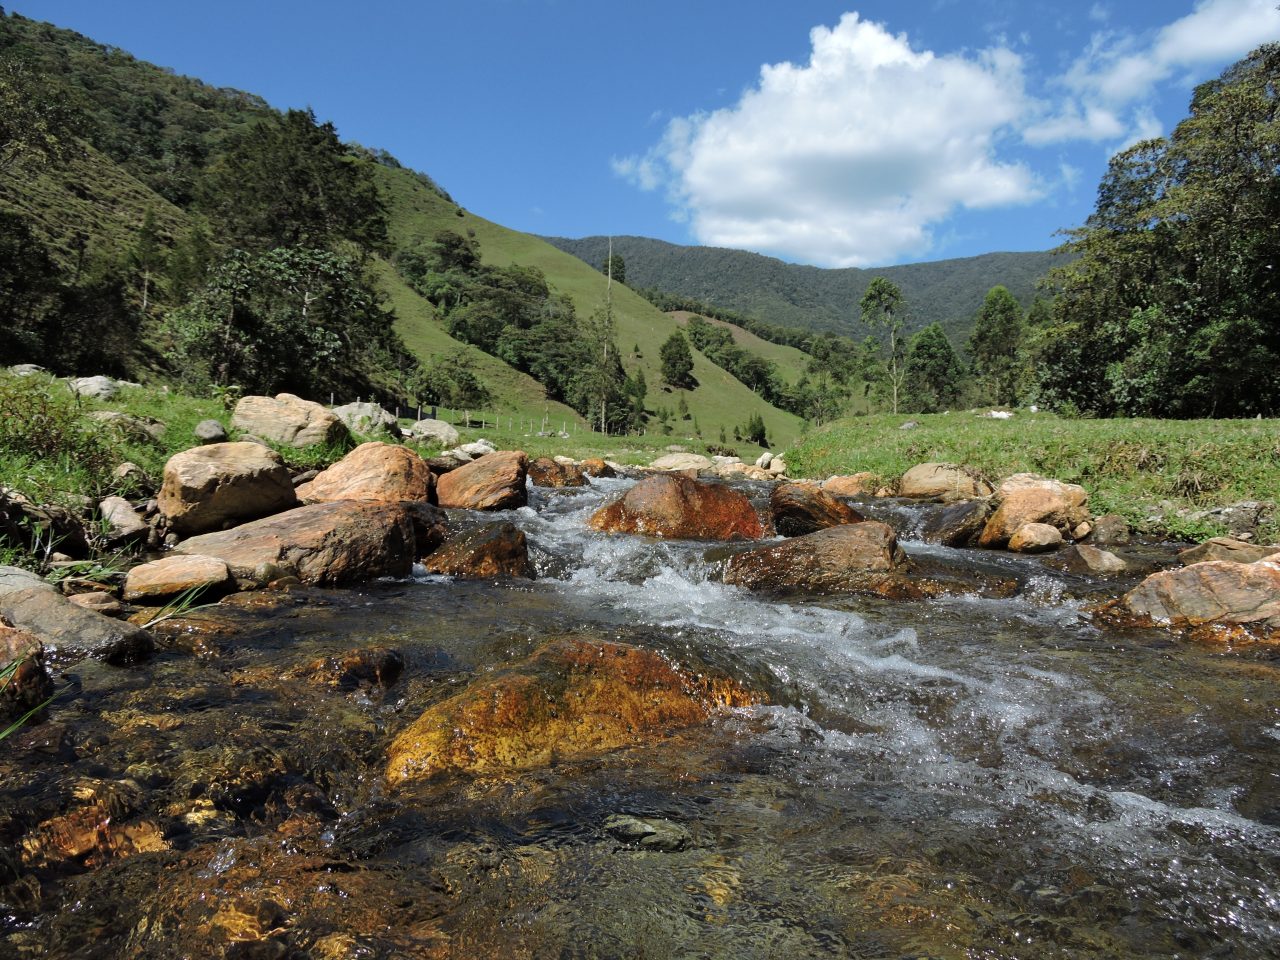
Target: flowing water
x=968 y=777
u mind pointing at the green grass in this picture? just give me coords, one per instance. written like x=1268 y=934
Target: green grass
x=1128 y=466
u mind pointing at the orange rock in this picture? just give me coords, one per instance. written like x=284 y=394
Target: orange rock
x=373 y=471
x=1035 y=538
x=494 y=550
x=800 y=508
x=206 y=488
x=850 y=557
x=667 y=505
x=596 y=467
x=1213 y=593
x=545 y=472
x=493 y=482
x=862 y=484
x=1027 y=498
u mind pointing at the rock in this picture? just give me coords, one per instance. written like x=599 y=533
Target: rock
x=849 y=557
x=365 y=666
x=1035 y=538
x=479 y=448
x=493 y=482
x=123 y=523
x=764 y=460
x=434 y=432
x=799 y=509
x=210 y=431
x=430 y=526
x=1082 y=530
x=909 y=425
x=666 y=505
x=595 y=467
x=162 y=580
x=98 y=388
x=572 y=698
x=445 y=463
x=29 y=685
x=958 y=524
x=1110 y=529
x=289 y=420
x=68 y=632
x=998 y=415
x=942 y=481
x=205 y=488
x=99 y=601
x=649 y=833
x=1084 y=559
x=681 y=461
x=545 y=472
x=322 y=544
x=1226 y=548
x=854 y=485
x=675 y=448
x=373 y=471
x=367 y=419
x=26 y=369
x=1027 y=498
x=494 y=550
x=1239 y=518
x=130 y=472
x=1216 y=593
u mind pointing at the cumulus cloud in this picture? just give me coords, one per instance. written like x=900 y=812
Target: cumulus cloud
x=850 y=158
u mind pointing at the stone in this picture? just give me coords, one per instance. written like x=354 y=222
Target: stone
x=849 y=557
x=39 y=527
x=210 y=431
x=909 y=425
x=764 y=460
x=650 y=833
x=373 y=471
x=170 y=577
x=68 y=632
x=322 y=544
x=29 y=685
x=478 y=448
x=26 y=369
x=205 y=488
x=1028 y=498
x=942 y=481
x=495 y=481
x=1216 y=593
x=957 y=524
x=289 y=420
x=1109 y=530
x=97 y=388
x=1226 y=548
x=493 y=550
x=666 y=505
x=1035 y=538
x=777 y=467
x=123 y=523
x=361 y=667
x=99 y=601
x=799 y=509
x=435 y=432
x=862 y=484
x=367 y=419
x=445 y=462
x=1240 y=518
x=571 y=698
x=1084 y=559
x=596 y=467
x=130 y=472
x=545 y=472
x=681 y=461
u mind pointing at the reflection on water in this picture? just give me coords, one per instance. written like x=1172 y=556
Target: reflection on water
x=966 y=777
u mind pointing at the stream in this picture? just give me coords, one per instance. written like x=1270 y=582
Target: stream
x=964 y=777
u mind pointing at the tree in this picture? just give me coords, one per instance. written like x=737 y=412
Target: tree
x=933 y=371
x=451 y=380
x=881 y=306
x=995 y=342
x=615 y=267
x=677 y=361
x=36 y=119
x=145 y=255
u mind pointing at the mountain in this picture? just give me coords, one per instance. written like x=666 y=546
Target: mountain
x=814 y=298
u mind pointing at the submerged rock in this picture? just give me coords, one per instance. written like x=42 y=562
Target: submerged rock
x=650 y=833
x=1213 y=593
x=494 y=550
x=372 y=471
x=364 y=666
x=68 y=631
x=496 y=481
x=1028 y=498
x=669 y=505
x=289 y=420
x=799 y=509
x=850 y=557
x=207 y=487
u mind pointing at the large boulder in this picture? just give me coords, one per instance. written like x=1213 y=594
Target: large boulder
x=322 y=544
x=850 y=557
x=1028 y=498
x=1238 y=597
x=800 y=508
x=545 y=472
x=942 y=481
x=289 y=420
x=493 y=482
x=373 y=471
x=681 y=461
x=862 y=484
x=493 y=550
x=367 y=419
x=1226 y=548
x=572 y=698
x=957 y=524
x=435 y=432
x=668 y=505
x=173 y=576
x=206 y=488
x=68 y=632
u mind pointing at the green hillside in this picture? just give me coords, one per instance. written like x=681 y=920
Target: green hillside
x=790 y=362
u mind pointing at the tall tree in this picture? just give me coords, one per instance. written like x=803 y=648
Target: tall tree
x=933 y=371
x=995 y=342
x=615 y=267
x=677 y=361
x=882 y=306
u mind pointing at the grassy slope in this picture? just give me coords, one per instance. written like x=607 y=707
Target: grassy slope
x=789 y=361
x=719 y=401
x=1128 y=466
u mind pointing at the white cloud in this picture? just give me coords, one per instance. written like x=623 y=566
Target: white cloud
x=850 y=158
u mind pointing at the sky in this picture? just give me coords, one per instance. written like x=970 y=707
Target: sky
x=838 y=134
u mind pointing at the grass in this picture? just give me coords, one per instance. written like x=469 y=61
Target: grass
x=1129 y=467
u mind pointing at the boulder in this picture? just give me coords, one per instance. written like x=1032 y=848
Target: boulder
x=98 y=388
x=1215 y=593
x=595 y=467
x=430 y=526
x=123 y=523
x=322 y=544
x=494 y=550
x=68 y=632
x=545 y=472
x=29 y=685
x=1084 y=559
x=666 y=505
x=863 y=484
x=764 y=460
x=1035 y=538
x=570 y=699
x=372 y=471
x=26 y=369
x=1110 y=529
x=205 y=488
x=478 y=448
x=799 y=509
x=1027 y=498
x=288 y=420
x=493 y=482
x=681 y=461
x=848 y=558
x=1226 y=548
x=957 y=524
x=777 y=467
x=367 y=419
x=162 y=580
x=434 y=432
x=210 y=431
x=99 y=601
x=942 y=481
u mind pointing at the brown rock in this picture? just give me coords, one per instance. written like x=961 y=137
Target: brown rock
x=1035 y=538
x=289 y=420
x=850 y=557
x=1226 y=548
x=207 y=487
x=99 y=602
x=162 y=580
x=125 y=524
x=373 y=471
x=666 y=505
x=493 y=482
x=494 y=550
x=430 y=526
x=322 y=544
x=800 y=508
x=365 y=666
x=942 y=481
x=1027 y=498
x=29 y=685
x=957 y=524
x=1110 y=529
x=545 y=472
x=595 y=467
x=861 y=484
x=681 y=461
x=571 y=698
x=1216 y=593
x=1082 y=558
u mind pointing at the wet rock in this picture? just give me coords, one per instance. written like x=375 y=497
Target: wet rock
x=430 y=527
x=957 y=524
x=323 y=544
x=942 y=481
x=494 y=550
x=681 y=508
x=596 y=467
x=1226 y=548
x=649 y=833
x=162 y=580
x=545 y=472
x=571 y=698
x=367 y=419
x=289 y=420
x=1028 y=498
x=435 y=432
x=210 y=431
x=496 y=481
x=372 y=471
x=681 y=461
x=799 y=509
x=1110 y=530
x=124 y=525
x=1217 y=593
x=29 y=685
x=206 y=488
x=1035 y=538
x=1084 y=559
x=365 y=666
x=850 y=557
x=88 y=837
x=861 y=484
x=68 y=632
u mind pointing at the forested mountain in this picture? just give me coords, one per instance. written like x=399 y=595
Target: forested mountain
x=948 y=292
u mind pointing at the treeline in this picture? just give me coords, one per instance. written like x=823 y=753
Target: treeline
x=795 y=337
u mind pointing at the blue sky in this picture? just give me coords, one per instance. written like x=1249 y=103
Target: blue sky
x=840 y=134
